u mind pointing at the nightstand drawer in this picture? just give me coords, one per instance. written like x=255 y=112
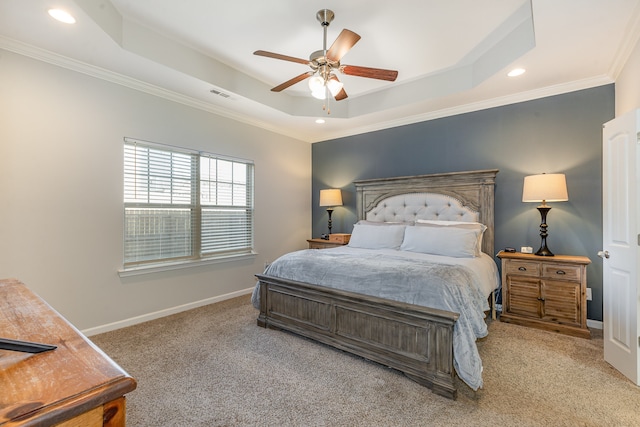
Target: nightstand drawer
x=523 y=268
x=561 y=272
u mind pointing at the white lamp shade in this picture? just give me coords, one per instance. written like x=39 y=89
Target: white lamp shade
x=550 y=187
x=319 y=93
x=315 y=83
x=331 y=197
x=334 y=85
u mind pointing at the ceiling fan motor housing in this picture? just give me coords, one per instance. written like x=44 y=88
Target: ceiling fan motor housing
x=325 y=16
x=317 y=60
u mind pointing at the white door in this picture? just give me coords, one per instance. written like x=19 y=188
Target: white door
x=620 y=252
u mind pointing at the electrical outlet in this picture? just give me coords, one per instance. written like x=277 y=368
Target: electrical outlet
x=499 y=307
x=589 y=294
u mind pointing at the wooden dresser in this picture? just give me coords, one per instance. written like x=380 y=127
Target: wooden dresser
x=545 y=292
x=75 y=385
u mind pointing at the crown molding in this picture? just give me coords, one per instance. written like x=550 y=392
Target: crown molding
x=52 y=58
x=477 y=106
x=311 y=137
x=626 y=47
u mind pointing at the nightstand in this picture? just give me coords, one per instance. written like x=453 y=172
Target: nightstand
x=323 y=244
x=545 y=292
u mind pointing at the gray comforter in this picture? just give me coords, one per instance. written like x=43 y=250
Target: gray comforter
x=450 y=287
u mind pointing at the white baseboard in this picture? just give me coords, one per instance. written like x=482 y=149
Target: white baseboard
x=595 y=324
x=162 y=313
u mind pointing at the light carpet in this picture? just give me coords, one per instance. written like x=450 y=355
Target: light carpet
x=213 y=366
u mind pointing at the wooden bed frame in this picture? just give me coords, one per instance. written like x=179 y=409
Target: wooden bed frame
x=415 y=340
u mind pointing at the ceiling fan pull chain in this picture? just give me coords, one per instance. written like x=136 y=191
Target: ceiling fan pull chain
x=328 y=98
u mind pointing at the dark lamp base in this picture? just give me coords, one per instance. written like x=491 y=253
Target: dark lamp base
x=544 y=252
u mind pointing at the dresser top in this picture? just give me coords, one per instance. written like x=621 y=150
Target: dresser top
x=45 y=388
x=570 y=259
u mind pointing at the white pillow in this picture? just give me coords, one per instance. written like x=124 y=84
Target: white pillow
x=375 y=237
x=459 y=224
x=448 y=241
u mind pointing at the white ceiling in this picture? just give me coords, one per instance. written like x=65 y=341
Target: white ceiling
x=451 y=57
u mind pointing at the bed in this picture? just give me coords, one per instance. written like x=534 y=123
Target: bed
x=406 y=307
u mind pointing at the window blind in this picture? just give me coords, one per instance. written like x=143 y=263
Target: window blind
x=182 y=204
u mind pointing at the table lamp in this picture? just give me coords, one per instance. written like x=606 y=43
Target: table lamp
x=330 y=197
x=545 y=188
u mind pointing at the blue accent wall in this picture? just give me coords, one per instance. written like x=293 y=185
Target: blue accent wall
x=557 y=134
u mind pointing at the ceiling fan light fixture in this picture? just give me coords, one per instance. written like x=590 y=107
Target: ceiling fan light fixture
x=335 y=86
x=322 y=80
x=316 y=83
x=320 y=93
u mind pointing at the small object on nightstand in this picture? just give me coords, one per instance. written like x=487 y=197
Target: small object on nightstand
x=510 y=250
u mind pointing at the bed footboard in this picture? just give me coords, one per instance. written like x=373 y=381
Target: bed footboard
x=417 y=341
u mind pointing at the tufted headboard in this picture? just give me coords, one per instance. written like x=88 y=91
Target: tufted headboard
x=454 y=196
x=413 y=206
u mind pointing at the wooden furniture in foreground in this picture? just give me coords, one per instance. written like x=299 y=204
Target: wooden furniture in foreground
x=74 y=385
x=545 y=292
x=415 y=340
x=322 y=244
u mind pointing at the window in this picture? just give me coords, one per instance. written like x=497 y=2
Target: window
x=182 y=205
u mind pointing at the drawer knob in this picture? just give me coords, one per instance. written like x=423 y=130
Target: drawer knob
x=522 y=268
x=560 y=272
x=540 y=299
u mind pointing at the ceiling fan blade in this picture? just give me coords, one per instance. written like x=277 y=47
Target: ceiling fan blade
x=279 y=56
x=342 y=94
x=342 y=45
x=371 y=73
x=293 y=81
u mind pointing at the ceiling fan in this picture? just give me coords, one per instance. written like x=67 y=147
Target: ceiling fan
x=324 y=62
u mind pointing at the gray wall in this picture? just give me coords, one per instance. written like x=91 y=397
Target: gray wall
x=558 y=134
x=61 y=180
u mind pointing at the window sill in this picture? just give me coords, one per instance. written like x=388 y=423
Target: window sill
x=158 y=268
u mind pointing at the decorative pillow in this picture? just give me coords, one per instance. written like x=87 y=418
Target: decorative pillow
x=368 y=236
x=448 y=241
x=458 y=224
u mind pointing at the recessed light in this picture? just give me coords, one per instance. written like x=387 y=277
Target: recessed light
x=62 y=16
x=319 y=121
x=516 y=72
